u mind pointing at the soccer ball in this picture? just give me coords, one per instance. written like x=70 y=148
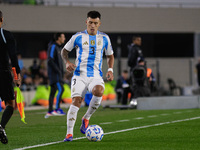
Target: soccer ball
x=94 y=133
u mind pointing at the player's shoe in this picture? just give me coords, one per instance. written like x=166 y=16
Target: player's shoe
x=69 y=137
x=3 y=136
x=48 y=114
x=84 y=125
x=59 y=112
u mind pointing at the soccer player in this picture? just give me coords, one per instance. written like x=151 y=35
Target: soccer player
x=90 y=45
x=7 y=50
x=55 y=74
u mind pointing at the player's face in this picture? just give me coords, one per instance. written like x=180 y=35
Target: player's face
x=138 y=41
x=93 y=25
x=62 y=38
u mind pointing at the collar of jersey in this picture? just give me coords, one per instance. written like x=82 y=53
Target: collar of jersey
x=92 y=35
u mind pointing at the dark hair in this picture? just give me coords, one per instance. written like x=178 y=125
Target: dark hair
x=57 y=35
x=1 y=16
x=135 y=37
x=125 y=71
x=94 y=14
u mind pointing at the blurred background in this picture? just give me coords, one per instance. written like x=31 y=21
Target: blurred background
x=170 y=32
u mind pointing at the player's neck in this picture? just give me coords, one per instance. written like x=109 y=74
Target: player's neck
x=58 y=42
x=93 y=34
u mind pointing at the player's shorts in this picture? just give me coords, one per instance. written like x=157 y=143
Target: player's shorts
x=80 y=85
x=6 y=85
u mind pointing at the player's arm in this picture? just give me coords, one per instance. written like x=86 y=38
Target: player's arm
x=11 y=44
x=69 y=66
x=110 y=62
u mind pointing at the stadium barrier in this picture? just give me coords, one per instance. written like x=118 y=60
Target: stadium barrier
x=168 y=102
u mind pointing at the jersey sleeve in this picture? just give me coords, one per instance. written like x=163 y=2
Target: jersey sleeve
x=109 y=49
x=70 y=44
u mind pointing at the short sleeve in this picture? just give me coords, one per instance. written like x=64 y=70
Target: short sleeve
x=70 y=44
x=109 y=49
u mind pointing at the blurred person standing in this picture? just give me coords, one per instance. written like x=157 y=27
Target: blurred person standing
x=134 y=52
x=7 y=51
x=55 y=74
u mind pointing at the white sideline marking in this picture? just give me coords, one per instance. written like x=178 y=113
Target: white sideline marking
x=139 y=118
x=123 y=120
x=113 y=132
x=189 y=110
x=106 y=123
x=152 y=116
x=164 y=114
x=177 y=112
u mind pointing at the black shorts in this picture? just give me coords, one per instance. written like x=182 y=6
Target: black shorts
x=6 y=85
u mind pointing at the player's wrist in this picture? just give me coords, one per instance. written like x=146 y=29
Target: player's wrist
x=110 y=69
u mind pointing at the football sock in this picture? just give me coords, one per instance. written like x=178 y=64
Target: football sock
x=94 y=105
x=7 y=114
x=71 y=118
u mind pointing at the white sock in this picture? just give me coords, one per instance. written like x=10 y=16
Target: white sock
x=94 y=105
x=71 y=118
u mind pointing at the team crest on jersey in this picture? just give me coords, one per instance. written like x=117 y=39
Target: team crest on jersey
x=99 y=43
x=92 y=42
x=85 y=43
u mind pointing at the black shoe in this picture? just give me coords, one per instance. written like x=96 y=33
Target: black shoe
x=3 y=136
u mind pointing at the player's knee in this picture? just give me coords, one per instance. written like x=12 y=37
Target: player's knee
x=98 y=90
x=76 y=101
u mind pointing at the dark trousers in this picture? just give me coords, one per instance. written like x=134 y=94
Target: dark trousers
x=54 y=87
x=122 y=97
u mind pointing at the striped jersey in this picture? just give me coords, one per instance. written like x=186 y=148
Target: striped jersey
x=89 y=52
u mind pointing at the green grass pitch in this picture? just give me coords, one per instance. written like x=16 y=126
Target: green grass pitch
x=150 y=135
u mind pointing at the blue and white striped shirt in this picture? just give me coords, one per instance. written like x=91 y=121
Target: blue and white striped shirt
x=89 y=52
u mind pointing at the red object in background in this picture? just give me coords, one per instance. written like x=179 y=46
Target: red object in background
x=43 y=55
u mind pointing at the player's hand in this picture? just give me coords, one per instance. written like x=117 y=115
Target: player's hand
x=18 y=81
x=70 y=66
x=109 y=76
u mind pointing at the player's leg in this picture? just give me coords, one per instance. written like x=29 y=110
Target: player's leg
x=51 y=98
x=78 y=89
x=7 y=94
x=58 y=98
x=97 y=87
x=7 y=114
x=10 y=105
x=71 y=117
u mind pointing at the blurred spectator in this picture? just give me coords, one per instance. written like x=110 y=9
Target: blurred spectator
x=20 y=61
x=27 y=81
x=123 y=88
x=43 y=72
x=34 y=69
x=134 y=51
